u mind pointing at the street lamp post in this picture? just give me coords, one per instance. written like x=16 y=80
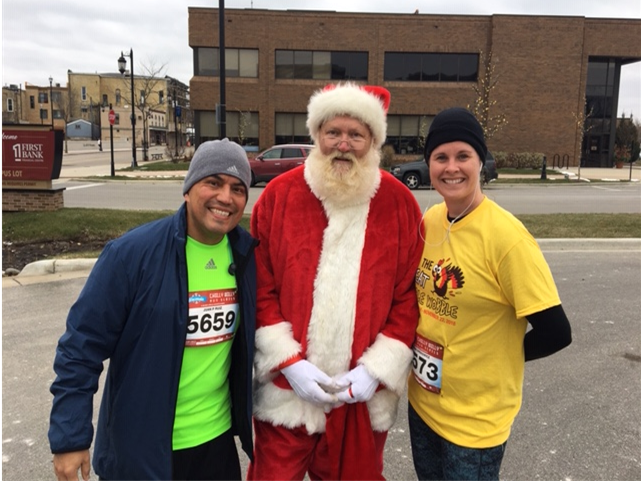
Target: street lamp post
x=122 y=64
x=175 y=124
x=51 y=98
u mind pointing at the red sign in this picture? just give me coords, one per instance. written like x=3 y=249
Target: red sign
x=30 y=155
x=112 y=117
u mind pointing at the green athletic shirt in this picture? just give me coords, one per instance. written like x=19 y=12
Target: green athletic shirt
x=203 y=408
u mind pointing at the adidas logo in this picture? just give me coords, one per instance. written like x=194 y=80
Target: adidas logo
x=232 y=169
x=211 y=264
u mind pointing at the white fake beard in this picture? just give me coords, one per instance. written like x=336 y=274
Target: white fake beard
x=342 y=184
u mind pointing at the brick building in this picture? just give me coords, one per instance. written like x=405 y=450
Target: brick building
x=550 y=70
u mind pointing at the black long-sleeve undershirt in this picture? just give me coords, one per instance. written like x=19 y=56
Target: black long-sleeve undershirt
x=550 y=333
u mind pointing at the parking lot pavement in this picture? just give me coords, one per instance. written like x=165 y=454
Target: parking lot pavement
x=580 y=419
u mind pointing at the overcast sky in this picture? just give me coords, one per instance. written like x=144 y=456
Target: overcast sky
x=42 y=39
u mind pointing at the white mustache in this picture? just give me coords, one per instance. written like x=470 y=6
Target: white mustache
x=342 y=155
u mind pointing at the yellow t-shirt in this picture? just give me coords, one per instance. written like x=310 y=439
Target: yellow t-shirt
x=475 y=285
x=203 y=407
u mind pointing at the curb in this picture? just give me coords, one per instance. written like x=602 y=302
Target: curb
x=55 y=266
x=597 y=244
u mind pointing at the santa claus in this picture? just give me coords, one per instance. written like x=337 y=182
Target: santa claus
x=340 y=242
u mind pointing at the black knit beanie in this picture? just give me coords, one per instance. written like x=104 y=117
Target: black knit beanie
x=455 y=124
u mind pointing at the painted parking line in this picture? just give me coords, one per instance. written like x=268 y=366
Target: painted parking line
x=86 y=186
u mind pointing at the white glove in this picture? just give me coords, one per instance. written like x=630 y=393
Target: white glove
x=306 y=381
x=362 y=386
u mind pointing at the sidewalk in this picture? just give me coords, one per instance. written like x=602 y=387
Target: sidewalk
x=587 y=174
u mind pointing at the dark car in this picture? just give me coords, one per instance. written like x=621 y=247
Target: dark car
x=277 y=160
x=414 y=174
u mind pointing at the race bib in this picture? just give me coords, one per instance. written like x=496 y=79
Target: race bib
x=427 y=364
x=212 y=317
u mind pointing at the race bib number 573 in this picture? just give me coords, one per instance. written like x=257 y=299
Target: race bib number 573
x=427 y=364
x=212 y=317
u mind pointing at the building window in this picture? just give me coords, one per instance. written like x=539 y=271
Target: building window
x=241 y=127
x=118 y=97
x=9 y=105
x=431 y=67
x=32 y=102
x=44 y=114
x=43 y=98
x=56 y=98
x=57 y=114
x=105 y=100
x=406 y=133
x=291 y=129
x=83 y=93
x=600 y=124
x=239 y=62
x=307 y=64
x=161 y=97
x=117 y=120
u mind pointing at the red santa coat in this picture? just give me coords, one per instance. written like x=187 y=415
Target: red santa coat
x=335 y=286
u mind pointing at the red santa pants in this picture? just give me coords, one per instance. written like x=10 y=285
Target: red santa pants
x=287 y=454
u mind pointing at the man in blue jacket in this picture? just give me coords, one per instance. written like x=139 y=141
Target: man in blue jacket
x=171 y=304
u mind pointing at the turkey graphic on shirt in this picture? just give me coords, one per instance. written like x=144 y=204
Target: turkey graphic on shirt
x=446 y=277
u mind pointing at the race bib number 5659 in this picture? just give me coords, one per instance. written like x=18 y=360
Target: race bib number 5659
x=212 y=317
x=427 y=364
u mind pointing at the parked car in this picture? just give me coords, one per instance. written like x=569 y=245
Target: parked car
x=417 y=173
x=277 y=160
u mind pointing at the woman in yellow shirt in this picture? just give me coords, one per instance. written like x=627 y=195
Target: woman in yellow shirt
x=482 y=278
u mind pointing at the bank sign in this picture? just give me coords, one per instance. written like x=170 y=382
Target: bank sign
x=30 y=155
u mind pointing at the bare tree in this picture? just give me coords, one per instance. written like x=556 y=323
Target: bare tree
x=422 y=134
x=484 y=102
x=146 y=97
x=581 y=121
x=244 y=119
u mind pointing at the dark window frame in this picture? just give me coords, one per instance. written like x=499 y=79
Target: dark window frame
x=344 y=65
x=431 y=67
x=207 y=64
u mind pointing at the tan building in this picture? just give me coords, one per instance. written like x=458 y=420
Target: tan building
x=549 y=72
x=91 y=95
x=34 y=104
x=12 y=104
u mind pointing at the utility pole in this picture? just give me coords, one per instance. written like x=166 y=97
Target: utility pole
x=221 y=63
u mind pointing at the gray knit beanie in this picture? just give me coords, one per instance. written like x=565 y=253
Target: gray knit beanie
x=218 y=157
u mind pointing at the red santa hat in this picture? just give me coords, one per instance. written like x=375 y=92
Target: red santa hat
x=367 y=103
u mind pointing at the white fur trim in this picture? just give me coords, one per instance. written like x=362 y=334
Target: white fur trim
x=283 y=407
x=331 y=324
x=274 y=345
x=383 y=410
x=389 y=361
x=347 y=99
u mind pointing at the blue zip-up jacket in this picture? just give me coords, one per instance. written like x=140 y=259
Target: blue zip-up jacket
x=133 y=311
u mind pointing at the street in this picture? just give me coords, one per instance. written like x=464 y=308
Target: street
x=517 y=198
x=581 y=416
x=157 y=192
